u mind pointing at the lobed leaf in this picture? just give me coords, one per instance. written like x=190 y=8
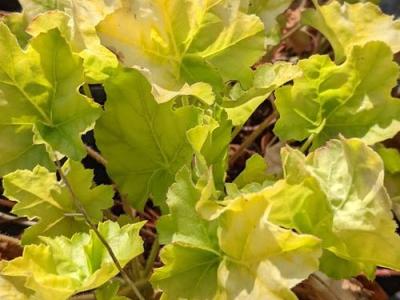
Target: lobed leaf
x=61 y=267
x=144 y=142
x=40 y=101
x=357 y=206
x=347 y=25
x=76 y=20
x=40 y=195
x=178 y=42
x=353 y=99
x=253 y=258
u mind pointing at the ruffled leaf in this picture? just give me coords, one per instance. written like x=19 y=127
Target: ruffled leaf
x=350 y=176
x=61 y=267
x=352 y=99
x=40 y=195
x=347 y=25
x=178 y=42
x=40 y=102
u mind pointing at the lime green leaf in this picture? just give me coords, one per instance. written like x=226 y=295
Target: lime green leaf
x=242 y=103
x=109 y=292
x=32 y=8
x=391 y=161
x=12 y=290
x=17 y=23
x=390 y=157
x=189 y=273
x=346 y=25
x=214 y=148
x=62 y=267
x=40 y=195
x=183 y=224
x=268 y=11
x=40 y=95
x=144 y=142
x=262 y=260
x=174 y=42
x=255 y=171
x=352 y=99
x=76 y=20
x=257 y=259
x=350 y=175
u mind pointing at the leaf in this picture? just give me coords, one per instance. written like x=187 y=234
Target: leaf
x=109 y=291
x=256 y=258
x=76 y=20
x=391 y=161
x=242 y=103
x=255 y=171
x=211 y=140
x=189 y=273
x=11 y=291
x=40 y=100
x=144 y=142
x=350 y=175
x=352 y=99
x=178 y=42
x=40 y=195
x=17 y=24
x=61 y=267
x=268 y=11
x=347 y=25
x=183 y=224
x=390 y=157
x=262 y=259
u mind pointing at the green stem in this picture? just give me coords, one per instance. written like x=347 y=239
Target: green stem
x=152 y=257
x=253 y=136
x=83 y=211
x=307 y=143
x=87 y=91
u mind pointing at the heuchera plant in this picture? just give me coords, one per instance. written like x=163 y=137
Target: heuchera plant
x=181 y=78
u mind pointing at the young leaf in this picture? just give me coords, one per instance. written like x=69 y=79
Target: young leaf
x=178 y=41
x=268 y=11
x=144 y=142
x=350 y=175
x=347 y=25
x=40 y=100
x=242 y=103
x=254 y=172
x=352 y=99
x=40 y=195
x=62 y=267
x=183 y=224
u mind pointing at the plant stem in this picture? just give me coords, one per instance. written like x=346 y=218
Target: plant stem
x=152 y=257
x=83 y=211
x=96 y=155
x=236 y=131
x=252 y=137
x=87 y=91
x=124 y=291
x=307 y=143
